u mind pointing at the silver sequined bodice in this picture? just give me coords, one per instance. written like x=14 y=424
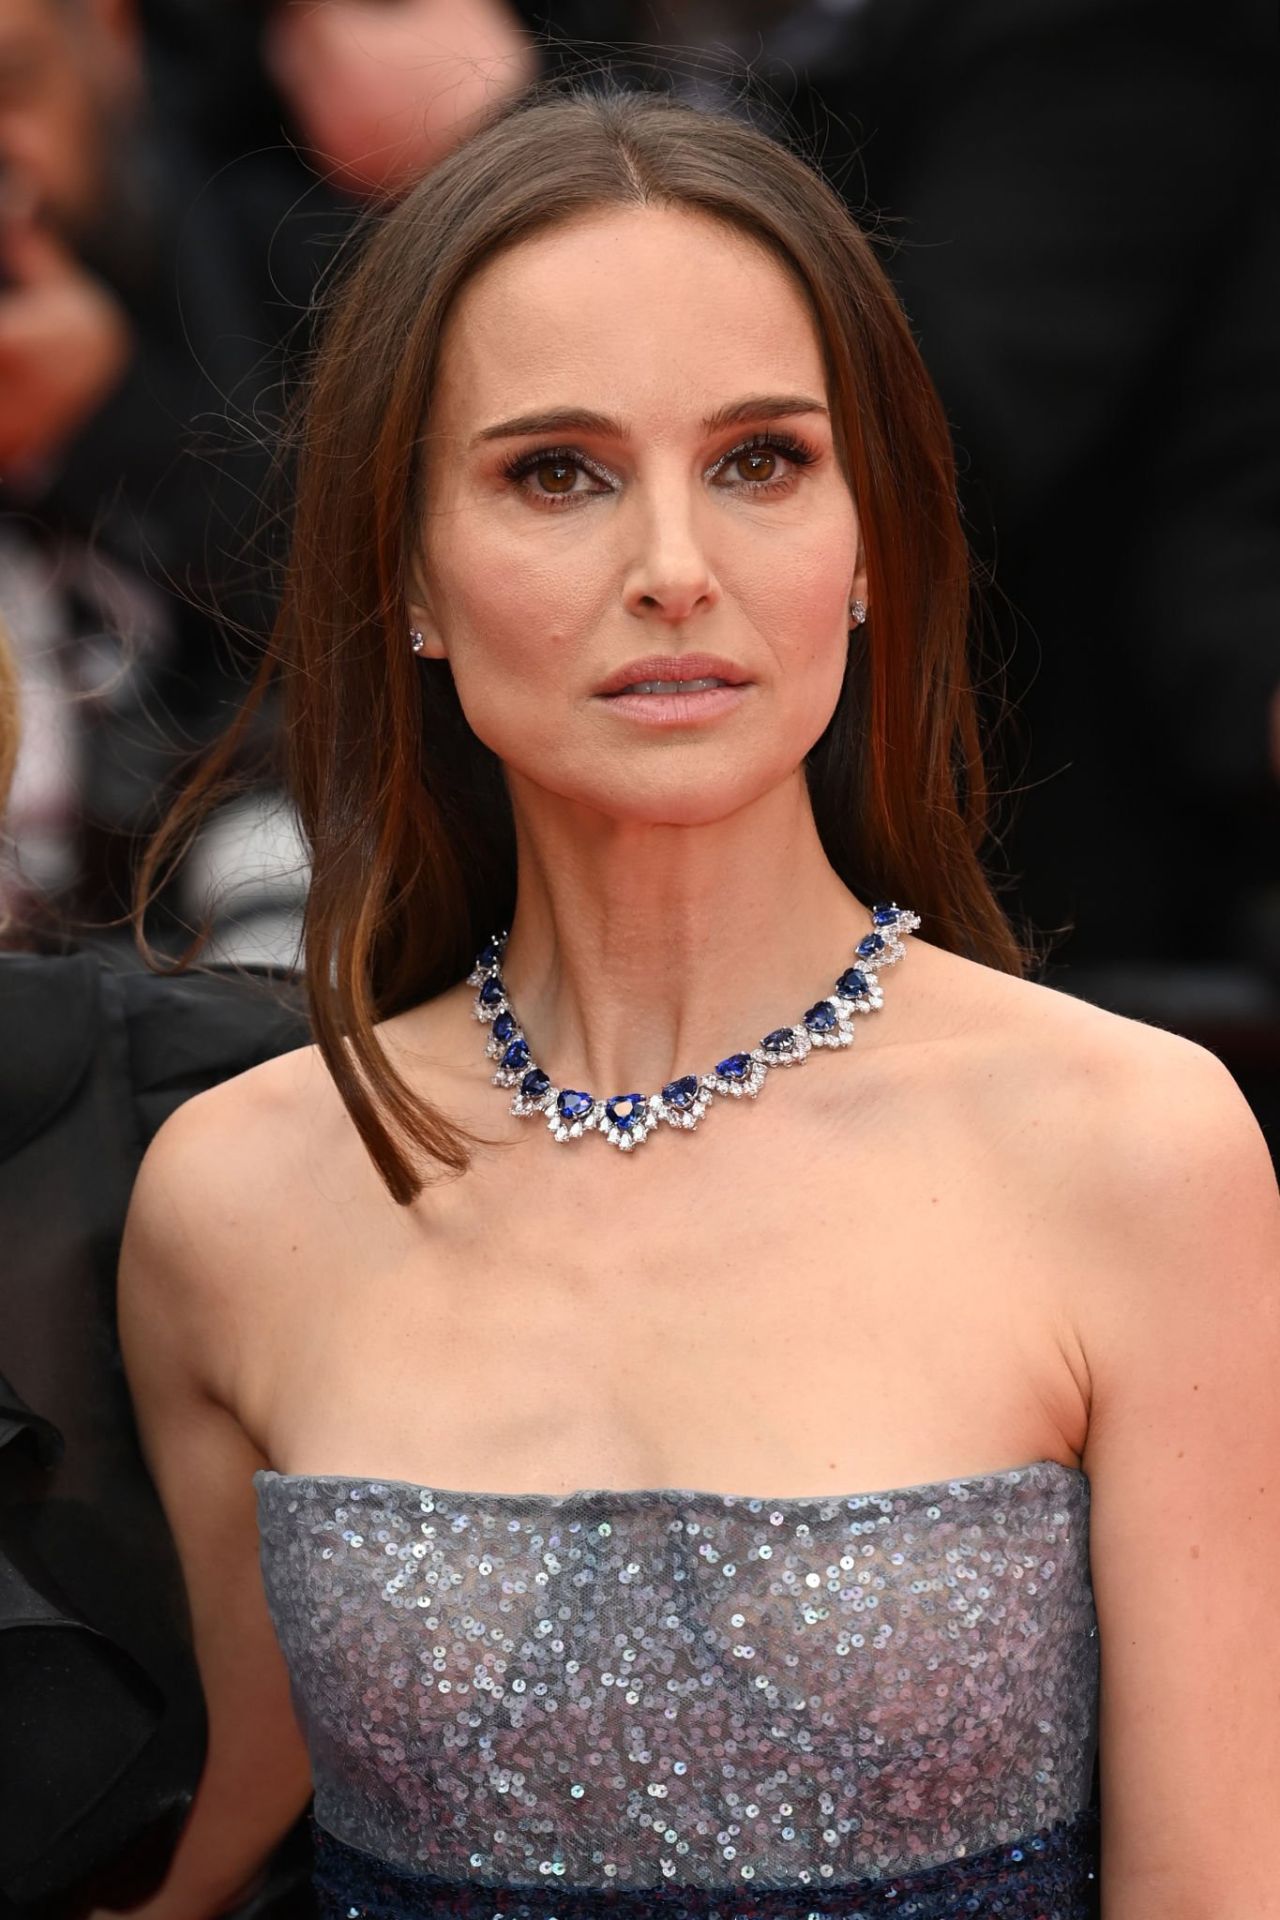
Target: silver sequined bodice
x=621 y=1689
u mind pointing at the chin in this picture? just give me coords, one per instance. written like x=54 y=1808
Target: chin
x=691 y=796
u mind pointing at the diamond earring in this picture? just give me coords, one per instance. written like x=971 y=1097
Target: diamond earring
x=417 y=639
x=857 y=612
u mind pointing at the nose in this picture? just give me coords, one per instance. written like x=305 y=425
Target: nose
x=670 y=577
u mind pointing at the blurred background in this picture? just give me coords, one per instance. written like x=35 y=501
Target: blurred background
x=1076 y=199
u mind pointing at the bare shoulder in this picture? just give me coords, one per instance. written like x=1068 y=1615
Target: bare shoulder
x=227 y=1150
x=1046 y=1041
x=220 y=1186
x=1143 y=1135
x=1156 y=1109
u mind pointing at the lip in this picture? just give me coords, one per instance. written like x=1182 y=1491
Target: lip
x=677 y=709
x=673 y=666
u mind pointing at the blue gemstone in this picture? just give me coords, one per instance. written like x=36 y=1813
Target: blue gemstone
x=681 y=1093
x=516 y=1057
x=625 y=1109
x=489 y=954
x=869 y=946
x=492 y=991
x=571 y=1105
x=504 y=1026
x=736 y=1067
x=853 y=983
x=885 y=915
x=781 y=1040
x=534 y=1084
x=821 y=1018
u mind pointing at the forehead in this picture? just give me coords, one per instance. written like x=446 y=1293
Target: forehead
x=644 y=313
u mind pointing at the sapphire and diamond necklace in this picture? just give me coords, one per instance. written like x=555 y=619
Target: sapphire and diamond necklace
x=626 y=1119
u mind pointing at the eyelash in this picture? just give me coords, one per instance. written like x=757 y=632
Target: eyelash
x=792 y=450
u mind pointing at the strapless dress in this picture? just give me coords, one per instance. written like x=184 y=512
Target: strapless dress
x=695 y=1705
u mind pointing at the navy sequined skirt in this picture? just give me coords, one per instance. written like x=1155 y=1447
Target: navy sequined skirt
x=1048 y=1876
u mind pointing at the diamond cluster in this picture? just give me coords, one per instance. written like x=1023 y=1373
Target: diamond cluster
x=625 y=1120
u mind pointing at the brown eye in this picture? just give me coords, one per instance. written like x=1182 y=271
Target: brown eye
x=556 y=476
x=757 y=463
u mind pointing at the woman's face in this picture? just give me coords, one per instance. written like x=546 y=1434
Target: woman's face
x=631 y=480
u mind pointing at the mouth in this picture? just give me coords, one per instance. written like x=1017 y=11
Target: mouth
x=671 y=686
x=681 y=692
x=662 y=676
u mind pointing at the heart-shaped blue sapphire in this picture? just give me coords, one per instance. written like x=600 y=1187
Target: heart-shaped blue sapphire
x=885 y=914
x=821 y=1018
x=516 y=1057
x=625 y=1109
x=491 y=992
x=534 y=1084
x=853 y=983
x=869 y=945
x=681 y=1093
x=504 y=1026
x=572 y=1105
x=736 y=1067
x=781 y=1040
x=489 y=955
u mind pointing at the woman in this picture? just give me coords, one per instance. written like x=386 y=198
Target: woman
x=626 y=610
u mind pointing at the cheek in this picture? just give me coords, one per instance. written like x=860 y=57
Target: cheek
x=802 y=608
x=516 y=625
x=509 y=608
x=809 y=610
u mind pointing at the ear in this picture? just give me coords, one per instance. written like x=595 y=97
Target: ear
x=422 y=621
x=858 y=584
x=432 y=647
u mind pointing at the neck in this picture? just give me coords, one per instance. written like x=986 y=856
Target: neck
x=639 y=952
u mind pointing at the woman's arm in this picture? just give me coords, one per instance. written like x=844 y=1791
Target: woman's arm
x=1182 y=1333
x=178 y=1332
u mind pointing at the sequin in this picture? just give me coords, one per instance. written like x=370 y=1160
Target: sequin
x=721 y=1700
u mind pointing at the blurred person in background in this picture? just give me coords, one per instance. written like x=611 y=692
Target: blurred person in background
x=373 y=92
x=162 y=237
x=145 y=327
x=102 y=1727
x=379 y=93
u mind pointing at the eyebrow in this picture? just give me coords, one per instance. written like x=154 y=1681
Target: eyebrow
x=766 y=406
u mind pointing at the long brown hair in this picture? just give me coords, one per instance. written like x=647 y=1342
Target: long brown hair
x=405 y=812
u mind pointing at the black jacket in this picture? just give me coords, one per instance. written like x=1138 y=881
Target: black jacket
x=102 y=1731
